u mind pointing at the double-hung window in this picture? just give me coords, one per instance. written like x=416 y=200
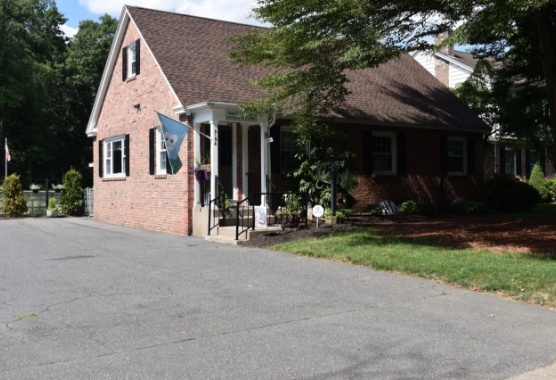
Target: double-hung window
x=114 y=157
x=160 y=153
x=131 y=60
x=288 y=149
x=383 y=146
x=456 y=155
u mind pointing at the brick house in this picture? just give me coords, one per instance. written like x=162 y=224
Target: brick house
x=413 y=137
x=503 y=154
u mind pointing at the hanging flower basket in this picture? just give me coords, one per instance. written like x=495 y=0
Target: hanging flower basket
x=207 y=175
x=199 y=174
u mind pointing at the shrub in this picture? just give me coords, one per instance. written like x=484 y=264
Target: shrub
x=72 y=197
x=552 y=186
x=507 y=194
x=52 y=204
x=540 y=183
x=467 y=207
x=13 y=198
x=418 y=207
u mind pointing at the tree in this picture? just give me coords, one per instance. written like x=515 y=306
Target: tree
x=314 y=43
x=523 y=40
x=79 y=76
x=32 y=43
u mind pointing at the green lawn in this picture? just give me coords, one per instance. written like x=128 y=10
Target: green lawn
x=528 y=278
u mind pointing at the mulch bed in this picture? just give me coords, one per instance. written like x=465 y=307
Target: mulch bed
x=495 y=233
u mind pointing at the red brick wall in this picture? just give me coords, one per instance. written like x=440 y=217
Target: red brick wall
x=422 y=179
x=141 y=200
x=442 y=71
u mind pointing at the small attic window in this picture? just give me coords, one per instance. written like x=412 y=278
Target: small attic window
x=131 y=60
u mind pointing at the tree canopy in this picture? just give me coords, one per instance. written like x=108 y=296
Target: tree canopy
x=47 y=87
x=313 y=42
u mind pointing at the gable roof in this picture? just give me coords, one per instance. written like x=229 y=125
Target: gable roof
x=192 y=54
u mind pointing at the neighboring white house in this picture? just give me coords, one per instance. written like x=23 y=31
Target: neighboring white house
x=452 y=67
x=505 y=155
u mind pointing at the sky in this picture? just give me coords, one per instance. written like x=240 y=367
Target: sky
x=229 y=10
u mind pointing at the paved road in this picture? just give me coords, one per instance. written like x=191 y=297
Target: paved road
x=85 y=300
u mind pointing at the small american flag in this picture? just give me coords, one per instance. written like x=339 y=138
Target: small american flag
x=8 y=156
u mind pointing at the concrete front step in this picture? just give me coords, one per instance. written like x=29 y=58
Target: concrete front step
x=227 y=234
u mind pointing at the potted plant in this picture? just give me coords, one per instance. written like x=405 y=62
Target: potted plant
x=333 y=219
x=53 y=209
x=57 y=188
x=35 y=188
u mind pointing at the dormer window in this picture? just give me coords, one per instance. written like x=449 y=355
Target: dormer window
x=130 y=60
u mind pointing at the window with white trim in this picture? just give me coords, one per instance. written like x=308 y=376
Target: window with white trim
x=114 y=157
x=131 y=55
x=384 y=152
x=131 y=60
x=160 y=153
x=457 y=155
x=288 y=149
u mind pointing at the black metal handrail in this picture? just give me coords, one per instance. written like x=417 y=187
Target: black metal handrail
x=247 y=223
x=219 y=201
x=240 y=217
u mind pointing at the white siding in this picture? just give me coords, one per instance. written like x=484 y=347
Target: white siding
x=457 y=75
x=426 y=60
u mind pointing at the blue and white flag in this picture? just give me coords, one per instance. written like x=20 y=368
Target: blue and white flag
x=174 y=132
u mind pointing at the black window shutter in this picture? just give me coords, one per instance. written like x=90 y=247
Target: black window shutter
x=444 y=156
x=127 y=155
x=527 y=163
x=124 y=64
x=368 y=152
x=401 y=152
x=100 y=159
x=502 y=160
x=274 y=149
x=518 y=161
x=471 y=155
x=152 y=151
x=137 y=57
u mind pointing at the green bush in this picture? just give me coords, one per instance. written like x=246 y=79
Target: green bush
x=540 y=183
x=72 y=197
x=552 y=186
x=13 y=198
x=504 y=193
x=418 y=207
x=468 y=207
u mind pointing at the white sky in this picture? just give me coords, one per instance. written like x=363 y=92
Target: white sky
x=229 y=10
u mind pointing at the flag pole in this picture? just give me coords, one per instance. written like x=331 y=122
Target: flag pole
x=5 y=158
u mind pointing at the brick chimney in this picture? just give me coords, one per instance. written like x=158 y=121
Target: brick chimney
x=439 y=38
x=442 y=67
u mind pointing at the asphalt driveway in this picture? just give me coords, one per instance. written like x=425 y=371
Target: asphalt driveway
x=85 y=300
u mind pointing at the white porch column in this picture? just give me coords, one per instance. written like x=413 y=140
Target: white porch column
x=235 y=194
x=197 y=155
x=213 y=158
x=264 y=162
x=245 y=158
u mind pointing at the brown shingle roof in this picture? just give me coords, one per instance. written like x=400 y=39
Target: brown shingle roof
x=465 y=58
x=192 y=50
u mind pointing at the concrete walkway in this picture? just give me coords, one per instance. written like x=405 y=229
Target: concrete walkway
x=85 y=300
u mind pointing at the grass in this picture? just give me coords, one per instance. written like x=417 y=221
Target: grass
x=528 y=278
